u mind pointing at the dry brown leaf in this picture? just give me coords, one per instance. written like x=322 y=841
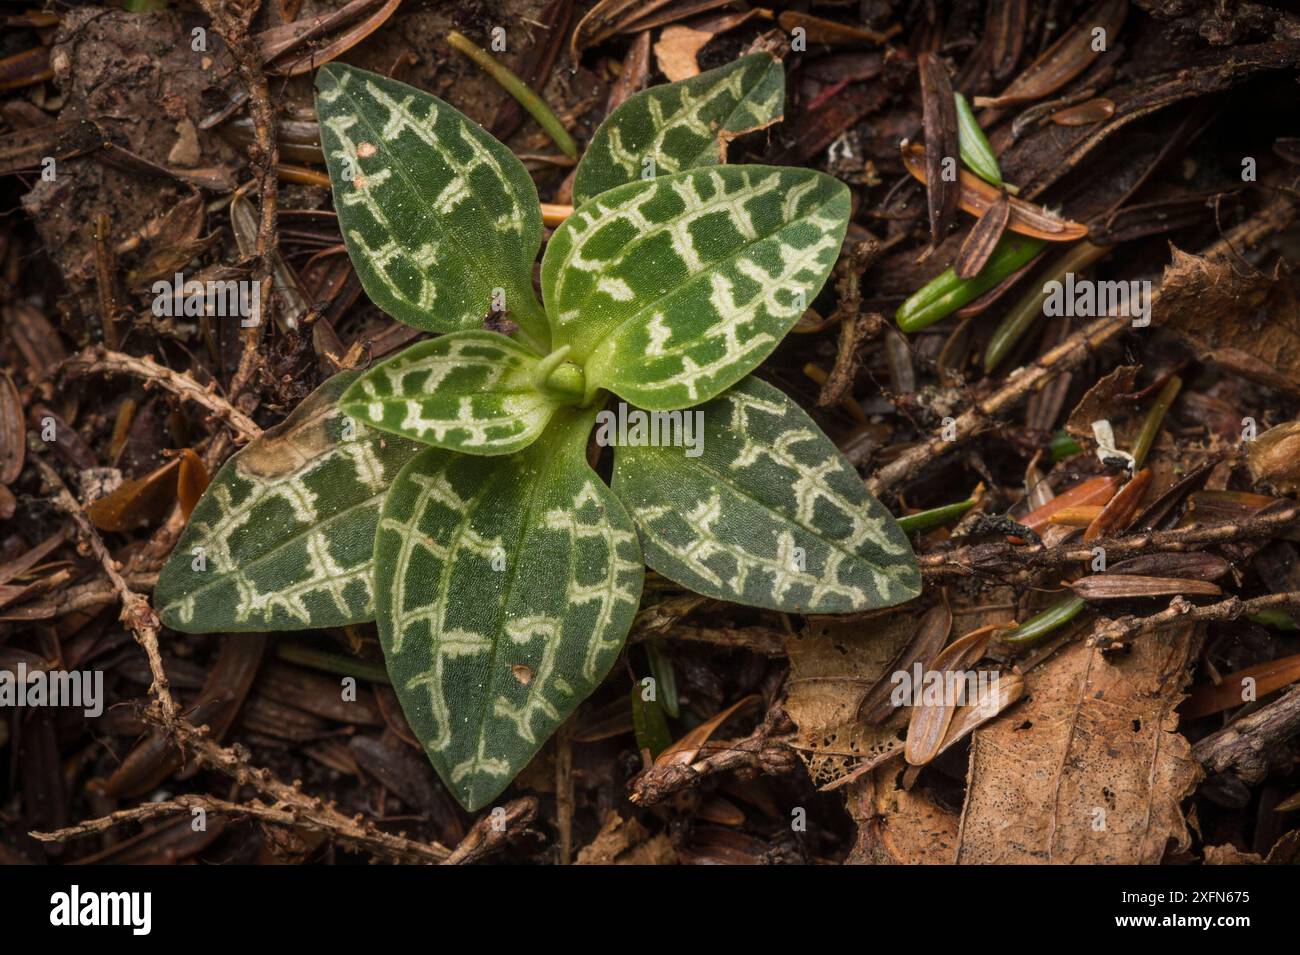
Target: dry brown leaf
x=1274 y=457
x=832 y=662
x=611 y=17
x=1246 y=322
x=1091 y=767
x=679 y=45
x=1231 y=855
x=137 y=502
x=1106 y=400
x=677 y=50
x=625 y=842
x=898 y=826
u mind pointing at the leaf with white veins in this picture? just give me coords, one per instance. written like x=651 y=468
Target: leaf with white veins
x=473 y=391
x=436 y=214
x=283 y=536
x=673 y=289
x=506 y=587
x=770 y=514
x=682 y=125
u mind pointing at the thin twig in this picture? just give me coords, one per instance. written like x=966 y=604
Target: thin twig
x=136 y=612
x=1246 y=745
x=494 y=830
x=1111 y=634
x=759 y=752
x=1000 y=558
x=231 y=21
x=308 y=811
x=99 y=359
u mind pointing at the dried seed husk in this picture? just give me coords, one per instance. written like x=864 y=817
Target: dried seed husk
x=1129 y=586
x=1215 y=506
x=1078 y=515
x=928 y=639
x=278 y=47
x=1119 y=511
x=1094 y=491
x=831 y=32
x=1196 y=566
x=1005 y=35
x=684 y=751
x=1085 y=113
x=983 y=239
x=939 y=118
x=1063 y=60
x=929 y=722
x=976 y=196
x=1266 y=678
x=1160 y=508
x=191 y=481
x=968 y=718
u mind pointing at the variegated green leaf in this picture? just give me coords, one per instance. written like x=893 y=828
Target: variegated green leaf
x=282 y=539
x=472 y=391
x=682 y=125
x=441 y=221
x=769 y=514
x=506 y=587
x=673 y=289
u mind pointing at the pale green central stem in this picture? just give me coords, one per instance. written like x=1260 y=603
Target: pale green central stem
x=563 y=379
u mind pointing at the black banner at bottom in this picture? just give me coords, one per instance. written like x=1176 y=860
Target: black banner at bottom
x=142 y=906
